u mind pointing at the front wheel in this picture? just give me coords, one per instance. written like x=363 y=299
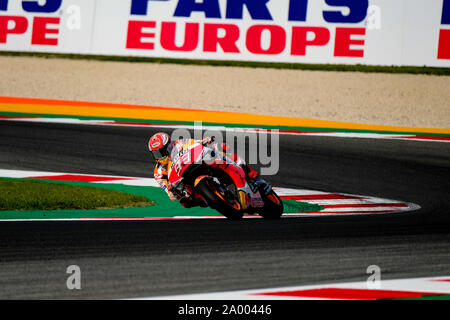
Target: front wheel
x=273 y=206
x=218 y=200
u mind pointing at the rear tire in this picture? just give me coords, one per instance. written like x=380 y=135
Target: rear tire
x=207 y=189
x=273 y=206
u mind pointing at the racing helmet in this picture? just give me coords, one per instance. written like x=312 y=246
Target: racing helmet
x=160 y=146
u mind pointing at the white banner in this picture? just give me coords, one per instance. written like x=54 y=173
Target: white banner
x=375 y=32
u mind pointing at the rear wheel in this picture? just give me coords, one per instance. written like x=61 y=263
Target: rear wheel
x=273 y=206
x=219 y=199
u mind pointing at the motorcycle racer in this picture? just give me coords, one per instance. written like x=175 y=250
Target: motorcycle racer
x=163 y=150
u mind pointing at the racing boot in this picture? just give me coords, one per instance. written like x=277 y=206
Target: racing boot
x=262 y=185
x=255 y=182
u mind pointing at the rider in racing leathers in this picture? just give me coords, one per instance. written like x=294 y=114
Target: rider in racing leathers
x=161 y=147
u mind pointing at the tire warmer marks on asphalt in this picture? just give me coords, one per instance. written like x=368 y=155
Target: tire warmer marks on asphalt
x=334 y=203
x=416 y=288
x=374 y=135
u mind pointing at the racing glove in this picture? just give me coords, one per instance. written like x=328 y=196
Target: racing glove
x=207 y=140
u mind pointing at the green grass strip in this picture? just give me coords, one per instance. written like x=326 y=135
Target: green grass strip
x=38 y=195
x=205 y=124
x=246 y=64
x=293 y=206
x=163 y=206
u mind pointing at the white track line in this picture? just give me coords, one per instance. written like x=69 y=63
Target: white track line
x=425 y=285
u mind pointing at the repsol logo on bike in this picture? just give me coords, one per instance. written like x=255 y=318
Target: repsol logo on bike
x=225 y=27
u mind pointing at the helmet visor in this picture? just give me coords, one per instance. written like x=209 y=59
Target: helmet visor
x=161 y=153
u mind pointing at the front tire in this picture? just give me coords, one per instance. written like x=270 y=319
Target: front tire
x=207 y=188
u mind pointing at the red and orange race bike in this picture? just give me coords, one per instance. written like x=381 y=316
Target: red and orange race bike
x=203 y=172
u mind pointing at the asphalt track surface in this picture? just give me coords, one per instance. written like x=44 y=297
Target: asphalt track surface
x=125 y=259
